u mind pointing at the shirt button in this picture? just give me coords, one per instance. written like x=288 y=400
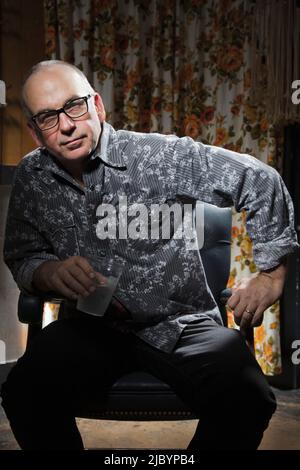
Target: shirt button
x=92 y=187
x=102 y=253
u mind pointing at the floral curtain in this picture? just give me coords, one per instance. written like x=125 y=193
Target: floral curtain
x=175 y=66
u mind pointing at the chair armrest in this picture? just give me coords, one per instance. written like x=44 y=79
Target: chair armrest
x=224 y=296
x=30 y=307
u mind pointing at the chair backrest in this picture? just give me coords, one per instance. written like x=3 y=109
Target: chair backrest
x=215 y=252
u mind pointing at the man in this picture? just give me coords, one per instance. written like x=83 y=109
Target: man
x=174 y=328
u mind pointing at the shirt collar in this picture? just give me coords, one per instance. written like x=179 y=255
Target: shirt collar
x=108 y=149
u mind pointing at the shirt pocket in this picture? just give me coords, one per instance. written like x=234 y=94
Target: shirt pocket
x=61 y=235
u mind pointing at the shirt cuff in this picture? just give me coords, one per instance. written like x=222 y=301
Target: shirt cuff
x=269 y=254
x=25 y=274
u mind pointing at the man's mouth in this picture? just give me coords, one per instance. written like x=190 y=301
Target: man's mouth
x=74 y=143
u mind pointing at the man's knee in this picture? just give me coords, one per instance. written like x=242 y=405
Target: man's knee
x=248 y=383
x=258 y=395
x=10 y=399
x=250 y=386
x=230 y=351
x=16 y=388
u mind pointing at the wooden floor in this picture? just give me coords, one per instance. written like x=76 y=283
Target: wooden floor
x=283 y=432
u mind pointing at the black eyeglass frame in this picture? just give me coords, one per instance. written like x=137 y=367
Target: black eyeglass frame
x=62 y=110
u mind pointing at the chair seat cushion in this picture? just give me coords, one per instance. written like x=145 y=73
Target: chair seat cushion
x=140 y=381
x=138 y=396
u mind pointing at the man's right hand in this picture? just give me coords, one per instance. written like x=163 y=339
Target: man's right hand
x=71 y=277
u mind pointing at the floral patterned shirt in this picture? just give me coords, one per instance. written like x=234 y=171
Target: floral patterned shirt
x=52 y=217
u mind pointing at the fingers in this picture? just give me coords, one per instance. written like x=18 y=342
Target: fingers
x=74 y=277
x=78 y=282
x=252 y=296
x=246 y=319
x=59 y=286
x=247 y=306
x=258 y=315
x=247 y=316
x=233 y=300
x=85 y=267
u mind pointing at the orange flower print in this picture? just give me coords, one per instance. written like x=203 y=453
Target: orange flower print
x=231 y=282
x=222 y=136
x=230 y=146
x=268 y=352
x=50 y=40
x=207 y=115
x=232 y=278
x=80 y=28
x=107 y=56
x=156 y=105
x=246 y=247
x=235 y=232
x=230 y=60
x=192 y=126
x=235 y=110
x=230 y=320
x=251 y=113
x=237 y=105
x=260 y=334
x=168 y=107
x=264 y=125
x=243 y=216
x=132 y=80
x=132 y=113
x=262 y=143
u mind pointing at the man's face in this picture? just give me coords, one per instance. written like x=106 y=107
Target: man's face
x=70 y=140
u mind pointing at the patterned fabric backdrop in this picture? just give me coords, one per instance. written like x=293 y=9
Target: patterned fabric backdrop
x=175 y=66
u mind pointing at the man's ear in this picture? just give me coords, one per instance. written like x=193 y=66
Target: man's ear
x=100 y=107
x=34 y=134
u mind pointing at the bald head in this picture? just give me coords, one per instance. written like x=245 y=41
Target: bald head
x=43 y=69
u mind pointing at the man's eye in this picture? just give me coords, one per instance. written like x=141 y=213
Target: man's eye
x=47 y=117
x=74 y=105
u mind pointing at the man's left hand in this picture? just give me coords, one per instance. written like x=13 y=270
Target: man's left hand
x=252 y=296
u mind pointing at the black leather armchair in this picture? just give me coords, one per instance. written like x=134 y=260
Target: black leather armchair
x=139 y=395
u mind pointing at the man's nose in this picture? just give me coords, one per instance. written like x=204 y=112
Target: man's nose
x=66 y=123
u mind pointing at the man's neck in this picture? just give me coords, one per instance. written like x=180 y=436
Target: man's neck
x=76 y=169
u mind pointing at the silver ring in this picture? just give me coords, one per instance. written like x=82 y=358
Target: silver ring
x=248 y=311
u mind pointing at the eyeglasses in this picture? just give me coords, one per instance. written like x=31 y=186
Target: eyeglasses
x=73 y=109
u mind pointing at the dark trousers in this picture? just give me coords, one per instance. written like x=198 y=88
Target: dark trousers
x=73 y=361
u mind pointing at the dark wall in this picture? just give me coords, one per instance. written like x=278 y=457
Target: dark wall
x=21 y=46
x=290 y=302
